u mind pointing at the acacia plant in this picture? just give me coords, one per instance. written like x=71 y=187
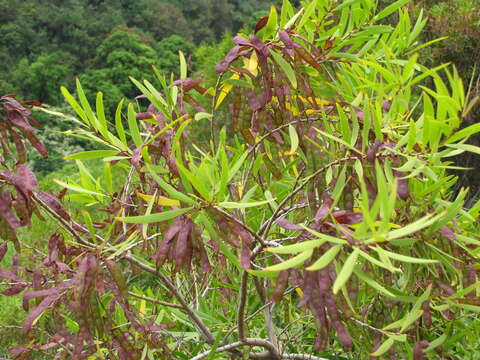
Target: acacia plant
x=316 y=221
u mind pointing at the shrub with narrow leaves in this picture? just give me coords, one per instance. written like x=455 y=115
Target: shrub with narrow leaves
x=319 y=222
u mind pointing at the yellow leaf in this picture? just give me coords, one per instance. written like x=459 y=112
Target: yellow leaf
x=143 y=308
x=162 y=201
x=318 y=101
x=299 y=292
x=225 y=90
x=252 y=64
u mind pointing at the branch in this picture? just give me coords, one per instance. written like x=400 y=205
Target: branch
x=267 y=311
x=301 y=357
x=242 y=332
x=266 y=228
x=171 y=287
x=155 y=301
x=247 y=342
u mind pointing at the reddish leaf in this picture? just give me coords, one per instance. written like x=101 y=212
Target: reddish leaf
x=53 y=204
x=307 y=57
x=402 y=190
x=18 y=350
x=427 y=315
x=347 y=217
x=6 y=211
x=15 y=289
x=418 y=348
x=259 y=45
x=10 y=276
x=284 y=223
x=261 y=24
x=286 y=39
x=324 y=209
x=36 y=312
x=3 y=250
x=245 y=257
x=448 y=233
x=231 y=56
x=163 y=249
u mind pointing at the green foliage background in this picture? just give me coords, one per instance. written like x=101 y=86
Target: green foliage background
x=47 y=44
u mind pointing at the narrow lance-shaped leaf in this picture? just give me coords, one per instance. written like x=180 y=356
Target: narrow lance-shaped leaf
x=296 y=248
x=386 y=345
x=295 y=261
x=286 y=67
x=154 y=218
x=345 y=272
x=326 y=258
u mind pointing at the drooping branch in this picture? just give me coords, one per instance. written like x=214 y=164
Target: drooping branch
x=171 y=287
x=209 y=338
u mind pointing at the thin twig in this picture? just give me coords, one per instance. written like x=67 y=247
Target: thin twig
x=242 y=331
x=266 y=228
x=247 y=342
x=172 y=288
x=155 y=301
x=267 y=312
x=214 y=104
x=301 y=357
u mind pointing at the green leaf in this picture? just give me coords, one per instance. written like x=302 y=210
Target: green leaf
x=119 y=124
x=325 y=236
x=345 y=4
x=295 y=261
x=264 y=273
x=107 y=175
x=290 y=22
x=346 y=271
x=286 y=12
x=102 y=121
x=326 y=258
x=133 y=126
x=410 y=319
x=408 y=259
x=77 y=188
x=436 y=343
x=202 y=115
x=235 y=167
x=171 y=191
x=296 y=248
x=183 y=65
x=271 y=24
x=75 y=105
x=390 y=9
x=91 y=154
x=387 y=344
x=466 y=147
x=239 y=205
x=293 y=139
x=286 y=68
x=414 y=227
x=154 y=218
x=309 y=12
x=361 y=275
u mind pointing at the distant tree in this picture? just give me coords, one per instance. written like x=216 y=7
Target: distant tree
x=168 y=52
x=122 y=54
x=163 y=19
x=42 y=78
x=210 y=19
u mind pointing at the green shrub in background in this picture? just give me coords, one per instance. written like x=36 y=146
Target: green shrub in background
x=319 y=224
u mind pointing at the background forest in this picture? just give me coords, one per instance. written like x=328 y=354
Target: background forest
x=45 y=44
